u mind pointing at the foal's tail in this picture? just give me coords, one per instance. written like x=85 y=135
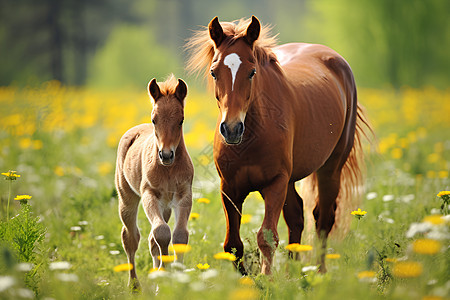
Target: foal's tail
x=352 y=181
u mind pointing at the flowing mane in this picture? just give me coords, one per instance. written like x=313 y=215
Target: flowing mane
x=201 y=47
x=169 y=85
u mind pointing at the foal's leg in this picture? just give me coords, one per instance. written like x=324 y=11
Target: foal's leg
x=232 y=206
x=293 y=215
x=128 y=208
x=159 y=237
x=182 y=212
x=274 y=198
x=325 y=211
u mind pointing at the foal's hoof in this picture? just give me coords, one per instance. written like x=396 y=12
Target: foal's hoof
x=134 y=286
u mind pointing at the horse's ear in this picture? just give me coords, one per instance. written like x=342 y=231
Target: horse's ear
x=216 y=31
x=153 y=89
x=253 y=31
x=181 y=90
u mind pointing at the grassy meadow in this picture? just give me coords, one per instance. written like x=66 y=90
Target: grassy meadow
x=64 y=242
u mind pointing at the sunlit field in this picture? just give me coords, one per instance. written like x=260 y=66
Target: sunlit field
x=64 y=242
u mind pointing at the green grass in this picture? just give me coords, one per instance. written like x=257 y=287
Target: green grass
x=84 y=196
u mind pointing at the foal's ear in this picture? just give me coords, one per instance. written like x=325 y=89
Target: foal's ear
x=253 y=31
x=216 y=31
x=153 y=89
x=181 y=90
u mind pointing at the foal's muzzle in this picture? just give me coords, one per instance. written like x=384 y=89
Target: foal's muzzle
x=232 y=135
x=166 y=157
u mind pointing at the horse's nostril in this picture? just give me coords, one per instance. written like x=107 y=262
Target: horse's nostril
x=160 y=154
x=223 y=129
x=172 y=154
x=239 y=129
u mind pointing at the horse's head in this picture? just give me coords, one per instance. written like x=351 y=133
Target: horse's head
x=168 y=116
x=233 y=68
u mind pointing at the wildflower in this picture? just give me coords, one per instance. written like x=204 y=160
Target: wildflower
x=157 y=273
x=11 y=175
x=180 y=248
x=114 y=252
x=426 y=246
x=407 y=269
x=388 y=198
x=246 y=218
x=396 y=153
x=156 y=270
x=371 y=195
x=67 y=277
x=246 y=281
x=310 y=268
x=59 y=265
x=194 y=216
x=244 y=293
x=359 y=213
x=440 y=194
x=25 y=267
x=225 y=256
x=59 y=171
x=203 y=200
x=391 y=260
x=6 y=282
x=204 y=266
x=434 y=220
x=432 y=298
x=167 y=258
x=22 y=197
x=296 y=247
x=123 y=267
x=333 y=256
x=367 y=276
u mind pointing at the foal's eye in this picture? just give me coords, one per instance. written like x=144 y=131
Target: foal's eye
x=153 y=121
x=181 y=122
x=252 y=74
x=213 y=75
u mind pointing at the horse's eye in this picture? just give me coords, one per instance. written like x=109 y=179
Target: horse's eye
x=181 y=122
x=153 y=121
x=213 y=75
x=252 y=73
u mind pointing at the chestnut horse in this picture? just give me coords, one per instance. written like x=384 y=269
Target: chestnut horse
x=286 y=112
x=154 y=166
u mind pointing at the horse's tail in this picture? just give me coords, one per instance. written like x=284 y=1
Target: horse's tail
x=352 y=181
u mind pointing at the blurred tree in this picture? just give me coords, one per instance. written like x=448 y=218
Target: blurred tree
x=402 y=42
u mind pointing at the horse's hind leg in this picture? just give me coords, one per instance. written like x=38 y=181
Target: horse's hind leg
x=128 y=208
x=293 y=215
x=325 y=211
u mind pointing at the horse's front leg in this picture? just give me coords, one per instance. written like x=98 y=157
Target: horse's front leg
x=182 y=211
x=274 y=198
x=232 y=206
x=159 y=237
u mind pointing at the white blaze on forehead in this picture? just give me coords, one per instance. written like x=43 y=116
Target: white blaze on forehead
x=233 y=62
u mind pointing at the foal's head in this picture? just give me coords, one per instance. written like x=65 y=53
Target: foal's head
x=168 y=116
x=233 y=67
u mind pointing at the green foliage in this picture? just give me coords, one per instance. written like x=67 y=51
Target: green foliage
x=131 y=57
x=386 y=42
x=23 y=233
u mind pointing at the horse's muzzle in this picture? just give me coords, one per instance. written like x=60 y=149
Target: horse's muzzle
x=232 y=135
x=166 y=157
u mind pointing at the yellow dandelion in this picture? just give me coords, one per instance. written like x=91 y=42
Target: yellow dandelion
x=296 y=247
x=59 y=171
x=396 y=153
x=244 y=294
x=366 y=275
x=443 y=174
x=123 y=267
x=440 y=194
x=333 y=256
x=359 y=213
x=203 y=200
x=11 y=175
x=194 y=216
x=204 y=266
x=225 y=256
x=426 y=246
x=22 y=197
x=246 y=281
x=167 y=258
x=434 y=219
x=180 y=248
x=432 y=298
x=391 y=260
x=152 y=270
x=104 y=168
x=246 y=218
x=407 y=269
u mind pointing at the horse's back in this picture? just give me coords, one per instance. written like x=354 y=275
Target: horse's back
x=323 y=86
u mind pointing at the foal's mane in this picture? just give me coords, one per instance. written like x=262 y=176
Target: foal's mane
x=201 y=46
x=168 y=86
